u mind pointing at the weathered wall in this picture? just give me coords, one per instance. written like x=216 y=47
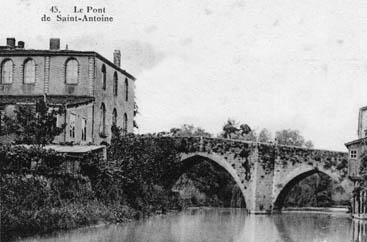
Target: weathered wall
x=50 y=79
x=293 y=163
x=81 y=112
x=57 y=84
x=362 y=122
x=107 y=97
x=18 y=87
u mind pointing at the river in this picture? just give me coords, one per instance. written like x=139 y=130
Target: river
x=221 y=224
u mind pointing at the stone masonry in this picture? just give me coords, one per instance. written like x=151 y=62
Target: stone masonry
x=266 y=172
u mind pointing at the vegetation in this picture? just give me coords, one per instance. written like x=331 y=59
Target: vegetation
x=189 y=130
x=33 y=124
x=233 y=130
x=293 y=138
x=208 y=184
x=39 y=193
x=265 y=136
x=313 y=191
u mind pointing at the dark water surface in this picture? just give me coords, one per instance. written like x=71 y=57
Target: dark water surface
x=225 y=225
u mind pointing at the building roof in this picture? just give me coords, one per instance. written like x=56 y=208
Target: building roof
x=357 y=141
x=31 y=52
x=75 y=148
x=53 y=100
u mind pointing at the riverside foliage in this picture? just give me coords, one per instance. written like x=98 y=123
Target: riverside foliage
x=39 y=195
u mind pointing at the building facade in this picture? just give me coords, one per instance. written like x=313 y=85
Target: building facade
x=357 y=154
x=357 y=148
x=95 y=92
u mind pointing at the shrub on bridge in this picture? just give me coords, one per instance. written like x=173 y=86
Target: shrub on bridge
x=145 y=168
x=146 y=158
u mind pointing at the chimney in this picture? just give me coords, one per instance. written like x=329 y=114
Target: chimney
x=54 y=44
x=117 y=58
x=10 y=42
x=21 y=44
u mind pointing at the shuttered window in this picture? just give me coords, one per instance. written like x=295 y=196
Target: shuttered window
x=72 y=71
x=7 y=72
x=29 y=72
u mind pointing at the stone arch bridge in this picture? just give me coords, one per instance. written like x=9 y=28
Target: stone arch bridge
x=266 y=172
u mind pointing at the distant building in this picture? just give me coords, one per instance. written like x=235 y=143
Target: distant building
x=357 y=151
x=359 y=146
x=95 y=91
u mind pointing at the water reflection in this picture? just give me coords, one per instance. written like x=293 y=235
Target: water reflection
x=226 y=225
x=359 y=231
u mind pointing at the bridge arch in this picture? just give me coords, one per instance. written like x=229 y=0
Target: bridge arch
x=221 y=162
x=283 y=188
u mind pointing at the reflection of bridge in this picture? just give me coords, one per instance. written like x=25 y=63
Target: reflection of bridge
x=359 y=231
x=266 y=172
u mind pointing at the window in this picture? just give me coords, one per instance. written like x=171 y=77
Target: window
x=103 y=77
x=72 y=71
x=126 y=90
x=84 y=129
x=7 y=72
x=353 y=154
x=72 y=119
x=115 y=84
x=103 y=120
x=29 y=72
x=124 y=128
x=114 y=117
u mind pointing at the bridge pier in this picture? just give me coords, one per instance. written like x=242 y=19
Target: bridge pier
x=262 y=191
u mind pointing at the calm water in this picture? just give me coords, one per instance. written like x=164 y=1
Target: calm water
x=225 y=225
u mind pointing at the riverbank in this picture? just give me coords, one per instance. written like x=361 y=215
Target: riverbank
x=341 y=209
x=71 y=217
x=42 y=191
x=100 y=224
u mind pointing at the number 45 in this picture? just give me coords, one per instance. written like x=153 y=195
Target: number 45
x=54 y=9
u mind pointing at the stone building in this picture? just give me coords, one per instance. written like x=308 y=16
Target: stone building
x=357 y=152
x=94 y=91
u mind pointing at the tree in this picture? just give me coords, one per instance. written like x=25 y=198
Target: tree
x=233 y=130
x=250 y=136
x=230 y=128
x=189 y=130
x=289 y=137
x=35 y=124
x=265 y=136
x=309 y=144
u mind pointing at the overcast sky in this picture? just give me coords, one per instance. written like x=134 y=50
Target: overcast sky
x=272 y=64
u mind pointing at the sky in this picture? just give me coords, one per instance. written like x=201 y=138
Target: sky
x=278 y=64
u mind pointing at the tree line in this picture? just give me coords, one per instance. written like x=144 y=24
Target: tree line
x=233 y=129
x=38 y=125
